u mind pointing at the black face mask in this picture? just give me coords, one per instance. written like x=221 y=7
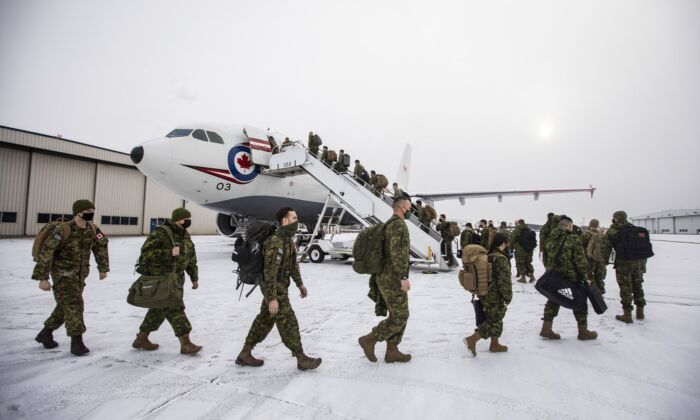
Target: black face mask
x=187 y=223
x=87 y=216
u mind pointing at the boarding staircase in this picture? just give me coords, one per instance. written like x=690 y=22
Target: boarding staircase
x=359 y=200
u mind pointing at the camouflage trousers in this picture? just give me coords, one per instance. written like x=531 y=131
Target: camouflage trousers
x=446 y=248
x=286 y=321
x=523 y=264
x=176 y=318
x=494 y=311
x=596 y=273
x=551 y=310
x=392 y=328
x=630 y=279
x=68 y=293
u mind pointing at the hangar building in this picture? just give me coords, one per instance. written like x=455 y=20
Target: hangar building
x=682 y=222
x=41 y=176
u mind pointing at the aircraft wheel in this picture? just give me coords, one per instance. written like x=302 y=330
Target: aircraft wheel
x=316 y=254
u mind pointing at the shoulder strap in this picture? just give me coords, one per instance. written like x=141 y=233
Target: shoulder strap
x=169 y=232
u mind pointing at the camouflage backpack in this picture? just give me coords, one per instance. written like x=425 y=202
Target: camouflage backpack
x=453 y=229
x=382 y=182
x=48 y=228
x=368 y=250
x=477 y=272
x=594 y=250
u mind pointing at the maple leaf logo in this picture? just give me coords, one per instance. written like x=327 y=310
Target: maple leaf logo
x=244 y=162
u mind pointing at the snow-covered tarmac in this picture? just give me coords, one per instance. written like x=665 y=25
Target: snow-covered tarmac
x=650 y=369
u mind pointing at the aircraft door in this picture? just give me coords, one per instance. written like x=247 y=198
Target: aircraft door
x=260 y=145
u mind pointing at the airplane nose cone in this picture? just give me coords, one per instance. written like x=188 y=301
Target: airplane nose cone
x=136 y=154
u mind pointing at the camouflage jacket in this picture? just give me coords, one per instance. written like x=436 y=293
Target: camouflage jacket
x=280 y=265
x=515 y=240
x=466 y=237
x=545 y=230
x=156 y=253
x=70 y=257
x=572 y=260
x=443 y=228
x=487 y=235
x=358 y=170
x=396 y=249
x=501 y=285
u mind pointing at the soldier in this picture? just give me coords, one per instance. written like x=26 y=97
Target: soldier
x=276 y=309
x=627 y=271
x=373 y=179
x=496 y=301
x=426 y=215
x=566 y=252
x=314 y=143
x=544 y=232
x=393 y=287
x=398 y=192
x=523 y=256
x=443 y=227
x=360 y=172
x=340 y=166
x=487 y=234
x=504 y=230
x=466 y=237
x=324 y=158
x=287 y=142
x=65 y=255
x=594 y=243
x=169 y=248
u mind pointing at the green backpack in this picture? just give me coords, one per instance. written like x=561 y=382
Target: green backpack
x=368 y=250
x=163 y=291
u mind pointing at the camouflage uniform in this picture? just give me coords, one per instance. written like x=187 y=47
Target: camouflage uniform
x=628 y=272
x=396 y=249
x=523 y=257
x=280 y=265
x=156 y=259
x=466 y=237
x=545 y=230
x=446 y=245
x=487 y=235
x=358 y=170
x=339 y=166
x=499 y=295
x=68 y=262
x=508 y=234
x=596 y=269
x=571 y=262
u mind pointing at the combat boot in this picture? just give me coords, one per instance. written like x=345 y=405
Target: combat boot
x=497 y=347
x=142 y=342
x=640 y=313
x=187 y=347
x=532 y=278
x=522 y=279
x=77 y=347
x=585 y=334
x=305 y=362
x=367 y=343
x=471 y=341
x=626 y=318
x=245 y=357
x=394 y=355
x=547 y=332
x=45 y=337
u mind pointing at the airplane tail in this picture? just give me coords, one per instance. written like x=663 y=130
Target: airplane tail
x=402 y=177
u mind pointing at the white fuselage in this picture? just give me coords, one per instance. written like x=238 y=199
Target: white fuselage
x=220 y=174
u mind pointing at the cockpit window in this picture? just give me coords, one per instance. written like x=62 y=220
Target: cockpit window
x=180 y=132
x=215 y=138
x=200 y=135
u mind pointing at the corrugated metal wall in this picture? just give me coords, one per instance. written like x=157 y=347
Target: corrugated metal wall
x=119 y=194
x=14 y=176
x=54 y=184
x=159 y=204
x=203 y=220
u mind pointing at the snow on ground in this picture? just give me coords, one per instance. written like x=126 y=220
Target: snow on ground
x=645 y=370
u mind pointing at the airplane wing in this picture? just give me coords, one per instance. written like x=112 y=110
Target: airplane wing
x=432 y=197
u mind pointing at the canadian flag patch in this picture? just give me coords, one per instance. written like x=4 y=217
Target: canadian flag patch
x=99 y=236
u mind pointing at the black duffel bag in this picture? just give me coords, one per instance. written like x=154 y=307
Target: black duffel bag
x=562 y=291
x=480 y=316
x=596 y=298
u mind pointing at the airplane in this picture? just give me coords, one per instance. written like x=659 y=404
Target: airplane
x=222 y=167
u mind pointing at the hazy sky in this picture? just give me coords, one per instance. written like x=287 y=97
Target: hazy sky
x=491 y=94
